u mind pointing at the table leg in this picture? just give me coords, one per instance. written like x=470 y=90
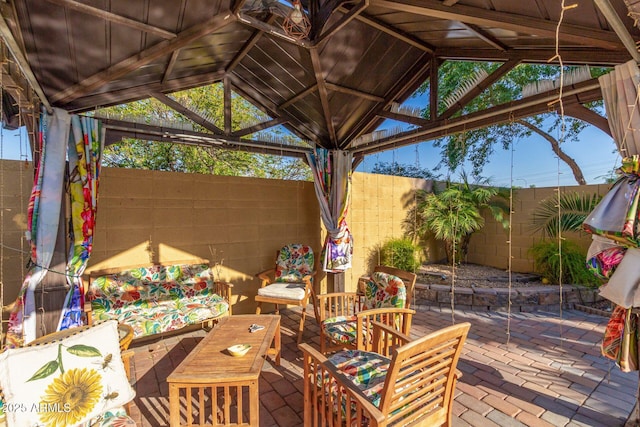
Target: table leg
x=276 y=342
x=254 y=403
x=174 y=405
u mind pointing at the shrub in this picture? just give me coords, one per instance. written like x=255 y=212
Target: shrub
x=574 y=271
x=400 y=253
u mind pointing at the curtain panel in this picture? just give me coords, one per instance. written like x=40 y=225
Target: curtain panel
x=86 y=144
x=43 y=221
x=332 y=182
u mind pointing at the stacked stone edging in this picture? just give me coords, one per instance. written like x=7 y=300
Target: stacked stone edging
x=525 y=299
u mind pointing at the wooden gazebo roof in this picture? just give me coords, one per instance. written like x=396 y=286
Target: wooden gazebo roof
x=329 y=88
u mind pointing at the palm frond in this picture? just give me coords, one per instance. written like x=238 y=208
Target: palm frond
x=566 y=214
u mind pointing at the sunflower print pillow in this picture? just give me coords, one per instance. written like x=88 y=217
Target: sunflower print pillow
x=67 y=382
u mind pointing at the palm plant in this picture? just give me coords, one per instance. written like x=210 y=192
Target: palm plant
x=455 y=213
x=567 y=213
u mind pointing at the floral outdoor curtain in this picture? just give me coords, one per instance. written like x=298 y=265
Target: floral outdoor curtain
x=86 y=143
x=332 y=181
x=43 y=220
x=614 y=255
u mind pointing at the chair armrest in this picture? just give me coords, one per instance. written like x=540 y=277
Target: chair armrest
x=266 y=276
x=458 y=374
x=224 y=290
x=323 y=384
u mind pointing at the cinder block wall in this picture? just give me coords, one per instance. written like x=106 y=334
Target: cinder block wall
x=16 y=180
x=148 y=216
x=490 y=245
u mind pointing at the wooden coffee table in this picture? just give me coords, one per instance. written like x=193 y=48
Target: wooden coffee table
x=211 y=387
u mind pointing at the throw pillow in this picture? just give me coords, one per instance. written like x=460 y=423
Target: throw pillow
x=65 y=382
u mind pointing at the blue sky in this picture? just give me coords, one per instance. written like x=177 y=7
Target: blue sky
x=534 y=163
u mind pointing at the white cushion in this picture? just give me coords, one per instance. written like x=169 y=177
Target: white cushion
x=66 y=382
x=292 y=291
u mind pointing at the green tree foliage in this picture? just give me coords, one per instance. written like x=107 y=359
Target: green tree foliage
x=453 y=214
x=401 y=169
x=475 y=146
x=167 y=156
x=552 y=216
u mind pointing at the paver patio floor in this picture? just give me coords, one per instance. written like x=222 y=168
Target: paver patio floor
x=548 y=373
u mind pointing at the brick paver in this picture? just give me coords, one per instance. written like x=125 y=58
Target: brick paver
x=549 y=374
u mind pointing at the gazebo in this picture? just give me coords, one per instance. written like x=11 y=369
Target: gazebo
x=330 y=72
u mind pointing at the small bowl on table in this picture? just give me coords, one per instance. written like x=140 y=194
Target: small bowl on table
x=239 y=350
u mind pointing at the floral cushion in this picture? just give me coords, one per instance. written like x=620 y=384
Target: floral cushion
x=366 y=370
x=340 y=329
x=294 y=262
x=384 y=290
x=66 y=382
x=157 y=299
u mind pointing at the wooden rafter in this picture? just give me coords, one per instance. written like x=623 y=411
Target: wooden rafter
x=258 y=127
x=394 y=32
x=118 y=129
x=170 y=102
x=142 y=58
x=344 y=20
x=492 y=41
x=580 y=93
x=22 y=62
x=481 y=86
x=246 y=48
x=433 y=88
x=354 y=92
x=113 y=17
x=570 y=55
x=142 y=92
x=507 y=21
x=256 y=98
x=407 y=84
x=324 y=96
x=297 y=97
x=170 y=65
x=418 y=121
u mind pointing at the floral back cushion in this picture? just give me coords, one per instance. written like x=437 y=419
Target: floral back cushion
x=65 y=382
x=384 y=290
x=153 y=283
x=294 y=262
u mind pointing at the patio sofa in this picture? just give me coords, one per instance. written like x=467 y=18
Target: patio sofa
x=158 y=298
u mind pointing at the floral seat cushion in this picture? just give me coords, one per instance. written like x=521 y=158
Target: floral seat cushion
x=294 y=262
x=366 y=370
x=340 y=329
x=157 y=299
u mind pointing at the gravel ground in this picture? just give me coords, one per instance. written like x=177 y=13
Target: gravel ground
x=468 y=275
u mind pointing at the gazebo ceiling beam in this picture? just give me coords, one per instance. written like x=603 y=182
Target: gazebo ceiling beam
x=118 y=129
x=579 y=93
x=479 y=88
x=172 y=103
x=394 y=32
x=141 y=58
x=354 y=92
x=113 y=17
x=570 y=55
x=246 y=48
x=142 y=92
x=170 y=65
x=297 y=97
x=324 y=97
x=482 y=34
x=245 y=90
x=257 y=128
x=272 y=30
x=347 y=17
x=405 y=85
x=506 y=21
x=618 y=26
